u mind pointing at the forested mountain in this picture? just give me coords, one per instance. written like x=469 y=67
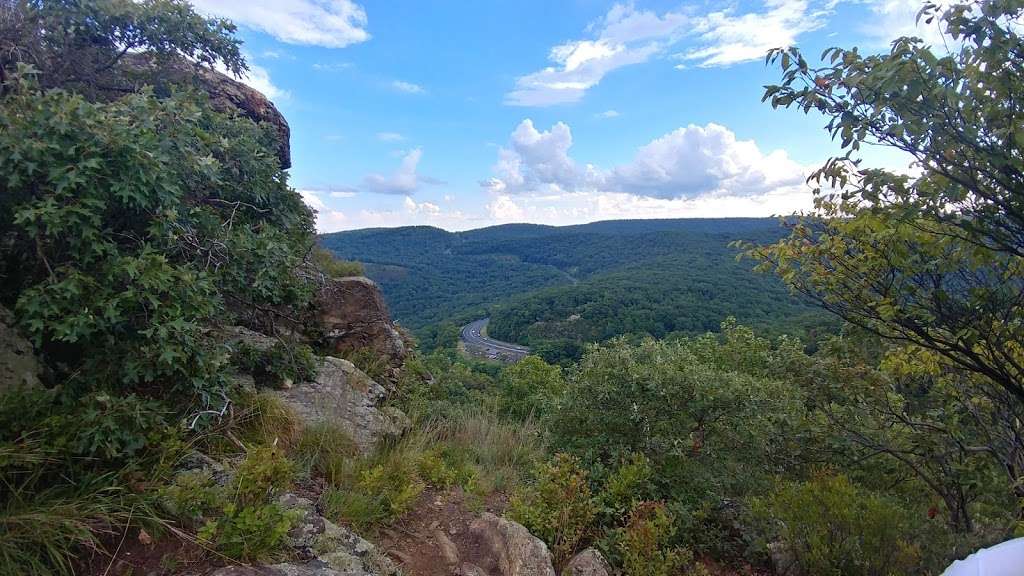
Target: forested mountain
x=585 y=283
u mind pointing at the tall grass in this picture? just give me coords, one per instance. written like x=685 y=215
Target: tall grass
x=474 y=450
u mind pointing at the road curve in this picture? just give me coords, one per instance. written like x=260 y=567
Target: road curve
x=475 y=341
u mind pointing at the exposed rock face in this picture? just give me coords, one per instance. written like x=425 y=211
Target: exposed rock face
x=330 y=550
x=19 y=367
x=226 y=93
x=519 y=553
x=587 y=563
x=352 y=316
x=343 y=395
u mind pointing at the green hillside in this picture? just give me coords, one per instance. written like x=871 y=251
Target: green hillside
x=561 y=286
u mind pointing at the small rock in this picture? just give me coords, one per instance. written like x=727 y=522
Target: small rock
x=434 y=525
x=144 y=538
x=587 y=563
x=448 y=549
x=468 y=569
x=453 y=530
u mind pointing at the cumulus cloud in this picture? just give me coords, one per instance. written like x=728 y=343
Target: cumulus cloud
x=504 y=209
x=404 y=180
x=330 y=23
x=407 y=87
x=627 y=36
x=685 y=163
x=895 y=18
x=257 y=77
x=536 y=160
x=704 y=159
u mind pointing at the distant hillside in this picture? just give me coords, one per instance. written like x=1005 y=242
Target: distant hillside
x=584 y=283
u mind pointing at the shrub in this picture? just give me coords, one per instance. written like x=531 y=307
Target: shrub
x=529 y=388
x=279 y=363
x=625 y=486
x=645 y=544
x=558 y=507
x=333 y=267
x=249 y=533
x=263 y=475
x=832 y=527
x=382 y=492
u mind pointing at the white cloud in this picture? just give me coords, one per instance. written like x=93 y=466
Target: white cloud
x=608 y=114
x=537 y=161
x=504 y=209
x=697 y=160
x=414 y=207
x=685 y=163
x=404 y=180
x=390 y=137
x=407 y=87
x=627 y=36
x=331 y=66
x=330 y=23
x=726 y=38
x=896 y=18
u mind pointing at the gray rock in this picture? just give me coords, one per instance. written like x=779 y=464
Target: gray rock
x=330 y=546
x=518 y=552
x=590 y=562
x=19 y=367
x=344 y=396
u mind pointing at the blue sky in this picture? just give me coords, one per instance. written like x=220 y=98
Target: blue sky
x=463 y=114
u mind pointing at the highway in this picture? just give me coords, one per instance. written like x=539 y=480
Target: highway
x=475 y=341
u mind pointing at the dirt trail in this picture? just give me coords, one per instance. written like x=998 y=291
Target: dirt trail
x=416 y=541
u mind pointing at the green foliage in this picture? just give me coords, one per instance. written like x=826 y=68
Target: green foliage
x=829 y=526
x=191 y=496
x=249 y=533
x=85 y=46
x=529 y=388
x=333 y=267
x=262 y=476
x=627 y=485
x=645 y=544
x=273 y=366
x=263 y=419
x=130 y=313
x=376 y=492
x=709 y=427
x=372 y=363
x=557 y=508
x=324 y=449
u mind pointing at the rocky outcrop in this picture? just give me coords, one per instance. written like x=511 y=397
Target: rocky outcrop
x=226 y=93
x=326 y=549
x=19 y=366
x=590 y=562
x=518 y=552
x=352 y=316
x=344 y=396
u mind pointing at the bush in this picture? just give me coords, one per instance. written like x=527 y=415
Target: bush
x=529 y=388
x=333 y=267
x=381 y=492
x=831 y=527
x=277 y=364
x=557 y=508
x=249 y=533
x=264 y=420
x=645 y=544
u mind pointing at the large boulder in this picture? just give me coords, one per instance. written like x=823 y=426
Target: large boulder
x=344 y=396
x=226 y=93
x=19 y=367
x=518 y=552
x=590 y=562
x=352 y=316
